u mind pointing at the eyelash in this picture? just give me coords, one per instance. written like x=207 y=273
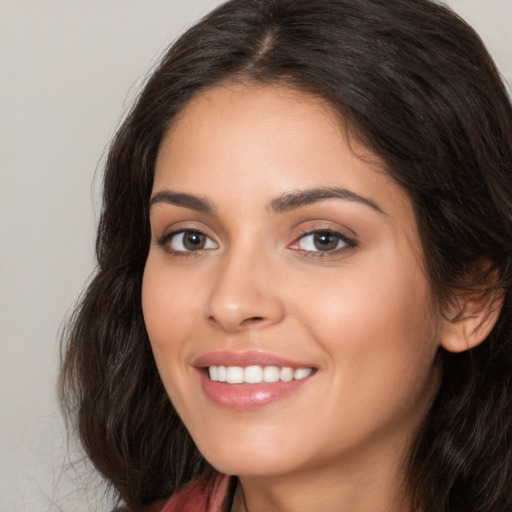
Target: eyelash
x=348 y=243
x=165 y=241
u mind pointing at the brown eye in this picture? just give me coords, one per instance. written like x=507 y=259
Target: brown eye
x=189 y=241
x=193 y=241
x=324 y=241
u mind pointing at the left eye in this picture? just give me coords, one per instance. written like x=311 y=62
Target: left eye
x=187 y=241
x=323 y=241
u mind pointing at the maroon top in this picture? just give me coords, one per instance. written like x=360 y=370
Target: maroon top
x=211 y=493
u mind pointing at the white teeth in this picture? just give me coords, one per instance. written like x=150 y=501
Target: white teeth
x=302 y=373
x=234 y=375
x=256 y=374
x=253 y=374
x=286 y=374
x=221 y=374
x=271 y=374
x=213 y=371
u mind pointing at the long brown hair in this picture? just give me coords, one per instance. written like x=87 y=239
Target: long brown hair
x=414 y=84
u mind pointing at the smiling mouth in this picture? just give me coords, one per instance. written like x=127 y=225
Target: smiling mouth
x=256 y=374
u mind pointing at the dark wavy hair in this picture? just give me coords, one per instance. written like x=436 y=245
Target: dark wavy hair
x=414 y=84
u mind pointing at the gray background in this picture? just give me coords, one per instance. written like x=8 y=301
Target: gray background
x=69 y=69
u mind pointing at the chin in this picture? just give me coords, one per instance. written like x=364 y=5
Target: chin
x=254 y=455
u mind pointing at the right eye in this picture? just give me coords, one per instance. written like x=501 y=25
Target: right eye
x=186 y=241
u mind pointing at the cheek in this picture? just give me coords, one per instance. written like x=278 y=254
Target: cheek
x=155 y=306
x=167 y=308
x=377 y=329
x=389 y=300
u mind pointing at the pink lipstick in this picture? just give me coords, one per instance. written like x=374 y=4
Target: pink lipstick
x=246 y=380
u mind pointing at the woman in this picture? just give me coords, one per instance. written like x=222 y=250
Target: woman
x=304 y=265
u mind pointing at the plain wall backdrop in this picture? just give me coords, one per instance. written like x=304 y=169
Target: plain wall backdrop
x=68 y=71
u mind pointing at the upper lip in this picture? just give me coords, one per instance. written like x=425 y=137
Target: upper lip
x=246 y=358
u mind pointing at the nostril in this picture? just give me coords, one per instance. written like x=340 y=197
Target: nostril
x=253 y=319
x=237 y=324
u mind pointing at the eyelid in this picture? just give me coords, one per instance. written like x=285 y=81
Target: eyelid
x=349 y=242
x=165 y=240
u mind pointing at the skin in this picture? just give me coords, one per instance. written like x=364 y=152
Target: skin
x=361 y=315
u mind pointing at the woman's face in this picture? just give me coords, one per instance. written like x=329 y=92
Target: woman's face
x=281 y=250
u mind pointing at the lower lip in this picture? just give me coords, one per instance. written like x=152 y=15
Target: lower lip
x=244 y=397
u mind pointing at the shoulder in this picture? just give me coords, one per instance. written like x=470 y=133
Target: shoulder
x=210 y=493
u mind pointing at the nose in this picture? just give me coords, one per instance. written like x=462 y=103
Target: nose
x=244 y=294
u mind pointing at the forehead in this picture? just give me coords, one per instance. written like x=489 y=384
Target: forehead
x=275 y=115
x=252 y=141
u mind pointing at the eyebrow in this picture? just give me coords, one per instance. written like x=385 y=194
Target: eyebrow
x=184 y=200
x=293 y=200
x=284 y=203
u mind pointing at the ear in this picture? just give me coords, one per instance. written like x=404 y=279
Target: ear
x=471 y=319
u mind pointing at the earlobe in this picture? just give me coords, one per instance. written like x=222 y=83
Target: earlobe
x=475 y=316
